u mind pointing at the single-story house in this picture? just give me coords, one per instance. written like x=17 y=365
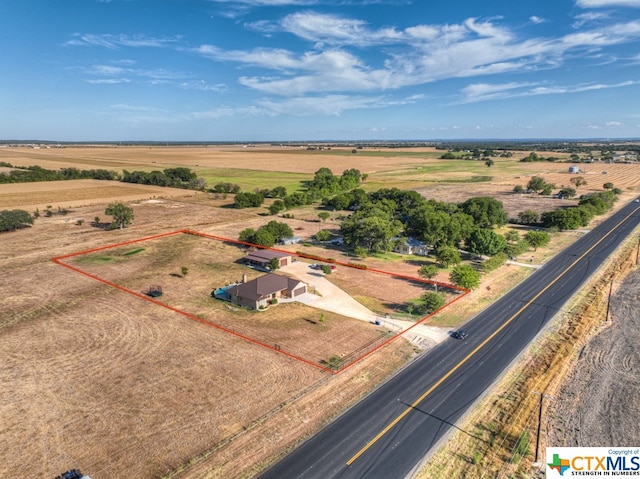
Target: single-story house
x=411 y=246
x=256 y=293
x=263 y=257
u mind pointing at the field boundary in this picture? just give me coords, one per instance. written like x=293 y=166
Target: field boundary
x=354 y=356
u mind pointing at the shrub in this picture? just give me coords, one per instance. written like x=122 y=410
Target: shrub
x=494 y=262
x=358 y=265
x=323 y=235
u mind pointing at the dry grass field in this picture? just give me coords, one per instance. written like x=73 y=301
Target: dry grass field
x=100 y=379
x=296 y=329
x=266 y=166
x=114 y=385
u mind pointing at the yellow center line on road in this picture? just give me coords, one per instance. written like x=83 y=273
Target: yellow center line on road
x=478 y=348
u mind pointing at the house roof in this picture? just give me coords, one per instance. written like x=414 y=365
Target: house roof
x=264 y=255
x=263 y=286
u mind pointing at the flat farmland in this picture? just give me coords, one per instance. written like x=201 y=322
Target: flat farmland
x=69 y=194
x=268 y=166
x=308 y=333
x=117 y=386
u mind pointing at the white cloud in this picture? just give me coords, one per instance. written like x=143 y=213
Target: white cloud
x=220 y=112
x=133 y=108
x=536 y=19
x=416 y=55
x=484 y=91
x=607 y=3
x=327 y=105
x=115 y=41
x=109 y=81
x=115 y=74
x=203 y=86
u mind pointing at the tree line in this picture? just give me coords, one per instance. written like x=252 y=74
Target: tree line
x=31 y=174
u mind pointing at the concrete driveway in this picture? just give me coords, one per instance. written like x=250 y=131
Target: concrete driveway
x=331 y=298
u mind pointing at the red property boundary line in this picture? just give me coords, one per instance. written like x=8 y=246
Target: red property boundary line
x=59 y=261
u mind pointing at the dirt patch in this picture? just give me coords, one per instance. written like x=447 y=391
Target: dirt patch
x=597 y=401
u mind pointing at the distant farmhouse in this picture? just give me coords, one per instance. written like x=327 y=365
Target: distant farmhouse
x=411 y=246
x=257 y=293
x=263 y=257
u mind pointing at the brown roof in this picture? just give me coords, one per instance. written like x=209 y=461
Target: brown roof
x=264 y=255
x=263 y=286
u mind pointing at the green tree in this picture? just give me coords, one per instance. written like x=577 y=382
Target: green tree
x=276 y=207
x=299 y=198
x=274 y=264
x=326 y=268
x=11 y=220
x=485 y=211
x=264 y=237
x=489 y=162
x=447 y=256
x=248 y=200
x=536 y=184
x=608 y=186
x=278 y=229
x=517 y=248
x=578 y=181
x=324 y=215
x=430 y=302
x=567 y=193
x=484 y=241
x=184 y=270
x=323 y=235
x=548 y=189
x=518 y=189
x=465 y=276
x=246 y=235
x=528 y=217
x=569 y=219
x=428 y=271
x=122 y=215
x=537 y=239
x=512 y=236
x=371 y=229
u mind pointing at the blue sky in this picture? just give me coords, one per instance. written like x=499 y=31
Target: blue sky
x=268 y=70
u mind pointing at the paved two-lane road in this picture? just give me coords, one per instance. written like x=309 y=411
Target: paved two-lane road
x=389 y=432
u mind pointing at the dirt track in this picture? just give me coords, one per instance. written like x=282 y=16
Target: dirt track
x=598 y=405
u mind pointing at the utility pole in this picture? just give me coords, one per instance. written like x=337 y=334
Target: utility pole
x=609 y=301
x=542 y=396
